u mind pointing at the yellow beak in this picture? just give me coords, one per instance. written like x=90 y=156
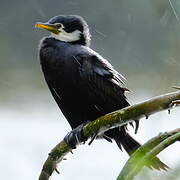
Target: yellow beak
x=50 y=27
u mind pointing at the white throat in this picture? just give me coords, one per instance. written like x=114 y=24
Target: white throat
x=67 y=37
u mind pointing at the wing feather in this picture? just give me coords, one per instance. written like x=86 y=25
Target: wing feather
x=103 y=80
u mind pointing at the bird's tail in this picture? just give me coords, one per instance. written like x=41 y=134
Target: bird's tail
x=130 y=145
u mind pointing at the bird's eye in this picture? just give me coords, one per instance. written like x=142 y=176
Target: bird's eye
x=58 y=25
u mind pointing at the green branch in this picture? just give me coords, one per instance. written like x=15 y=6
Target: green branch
x=147 y=152
x=111 y=120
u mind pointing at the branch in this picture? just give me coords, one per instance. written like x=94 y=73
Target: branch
x=147 y=152
x=109 y=121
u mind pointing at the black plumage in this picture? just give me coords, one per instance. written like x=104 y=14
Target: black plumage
x=84 y=84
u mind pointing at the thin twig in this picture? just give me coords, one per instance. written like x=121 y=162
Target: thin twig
x=174 y=11
x=147 y=152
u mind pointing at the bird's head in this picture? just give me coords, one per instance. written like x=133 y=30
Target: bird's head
x=68 y=28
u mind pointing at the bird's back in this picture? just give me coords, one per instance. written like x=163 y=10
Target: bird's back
x=79 y=99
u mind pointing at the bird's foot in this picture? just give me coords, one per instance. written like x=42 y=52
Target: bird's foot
x=75 y=137
x=92 y=139
x=136 y=125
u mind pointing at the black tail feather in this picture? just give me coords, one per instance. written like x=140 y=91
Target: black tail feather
x=130 y=145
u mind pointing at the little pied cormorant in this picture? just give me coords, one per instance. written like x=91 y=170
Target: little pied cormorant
x=84 y=84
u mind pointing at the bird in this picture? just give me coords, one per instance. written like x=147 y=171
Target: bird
x=84 y=85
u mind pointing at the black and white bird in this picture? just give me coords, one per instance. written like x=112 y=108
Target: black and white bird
x=84 y=84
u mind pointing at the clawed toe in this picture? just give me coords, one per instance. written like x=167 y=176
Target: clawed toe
x=75 y=137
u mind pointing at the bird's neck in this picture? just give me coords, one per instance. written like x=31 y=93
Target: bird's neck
x=73 y=38
x=83 y=40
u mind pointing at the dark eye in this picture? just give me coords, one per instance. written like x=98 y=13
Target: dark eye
x=58 y=25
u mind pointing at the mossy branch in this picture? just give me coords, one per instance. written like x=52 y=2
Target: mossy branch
x=111 y=120
x=147 y=152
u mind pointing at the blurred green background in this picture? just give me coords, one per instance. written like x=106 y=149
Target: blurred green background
x=140 y=39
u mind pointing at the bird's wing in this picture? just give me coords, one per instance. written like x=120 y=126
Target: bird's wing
x=103 y=80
